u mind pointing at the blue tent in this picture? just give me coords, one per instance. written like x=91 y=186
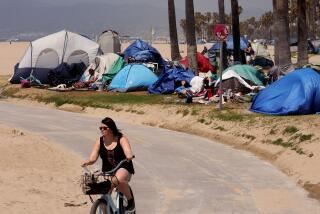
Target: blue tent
x=243 y=44
x=133 y=77
x=167 y=79
x=143 y=52
x=294 y=94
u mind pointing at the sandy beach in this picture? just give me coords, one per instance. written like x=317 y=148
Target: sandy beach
x=56 y=179
x=38 y=175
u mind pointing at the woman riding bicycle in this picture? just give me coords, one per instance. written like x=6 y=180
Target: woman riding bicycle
x=112 y=147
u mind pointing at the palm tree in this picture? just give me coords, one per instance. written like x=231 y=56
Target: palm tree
x=222 y=20
x=302 y=33
x=191 y=37
x=266 y=22
x=175 y=53
x=221 y=12
x=275 y=32
x=235 y=30
x=283 y=32
x=312 y=19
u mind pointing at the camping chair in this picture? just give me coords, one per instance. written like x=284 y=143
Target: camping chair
x=33 y=81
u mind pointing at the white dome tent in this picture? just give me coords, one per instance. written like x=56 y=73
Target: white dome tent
x=50 y=51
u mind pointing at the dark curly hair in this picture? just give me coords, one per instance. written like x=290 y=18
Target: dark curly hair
x=113 y=127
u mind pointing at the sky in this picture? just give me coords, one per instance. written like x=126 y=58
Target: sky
x=129 y=17
x=200 y=5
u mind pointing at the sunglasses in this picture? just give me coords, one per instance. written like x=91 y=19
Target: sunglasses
x=102 y=128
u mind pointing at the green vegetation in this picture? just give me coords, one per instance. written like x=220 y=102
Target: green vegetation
x=250 y=137
x=301 y=137
x=195 y=111
x=290 y=130
x=225 y=115
x=10 y=92
x=101 y=100
x=280 y=142
x=305 y=137
x=298 y=150
x=184 y=111
x=221 y=128
x=134 y=111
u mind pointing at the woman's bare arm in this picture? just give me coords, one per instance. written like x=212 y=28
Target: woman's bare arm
x=126 y=147
x=93 y=157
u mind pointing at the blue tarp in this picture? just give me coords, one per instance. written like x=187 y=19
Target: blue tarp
x=143 y=52
x=297 y=93
x=243 y=44
x=133 y=77
x=167 y=79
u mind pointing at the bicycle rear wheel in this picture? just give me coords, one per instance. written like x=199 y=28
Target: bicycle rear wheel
x=100 y=206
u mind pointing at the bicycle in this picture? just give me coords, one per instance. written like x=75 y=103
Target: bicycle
x=105 y=204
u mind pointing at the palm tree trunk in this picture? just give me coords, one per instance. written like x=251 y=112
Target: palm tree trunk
x=235 y=30
x=283 y=33
x=302 y=34
x=275 y=32
x=191 y=37
x=222 y=20
x=313 y=19
x=175 y=53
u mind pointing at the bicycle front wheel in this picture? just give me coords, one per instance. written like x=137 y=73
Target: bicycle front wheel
x=100 y=206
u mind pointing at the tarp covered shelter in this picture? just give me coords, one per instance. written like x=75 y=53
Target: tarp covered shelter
x=112 y=71
x=109 y=42
x=133 y=77
x=241 y=78
x=204 y=64
x=243 y=44
x=262 y=61
x=297 y=93
x=170 y=79
x=49 y=52
x=141 y=51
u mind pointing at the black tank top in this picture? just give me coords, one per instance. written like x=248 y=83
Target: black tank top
x=111 y=158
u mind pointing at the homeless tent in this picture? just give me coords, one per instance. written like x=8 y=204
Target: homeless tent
x=294 y=94
x=49 y=52
x=141 y=51
x=203 y=63
x=133 y=77
x=243 y=44
x=109 y=42
x=170 y=79
x=241 y=78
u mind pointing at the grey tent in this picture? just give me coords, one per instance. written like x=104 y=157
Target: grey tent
x=109 y=42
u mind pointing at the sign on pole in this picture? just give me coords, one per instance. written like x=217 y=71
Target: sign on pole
x=221 y=31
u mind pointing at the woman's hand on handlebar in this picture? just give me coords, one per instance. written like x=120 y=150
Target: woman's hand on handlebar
x=130 y=158
x=85 y=163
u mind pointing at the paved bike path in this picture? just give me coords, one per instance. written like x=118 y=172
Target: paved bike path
x=176 y=172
